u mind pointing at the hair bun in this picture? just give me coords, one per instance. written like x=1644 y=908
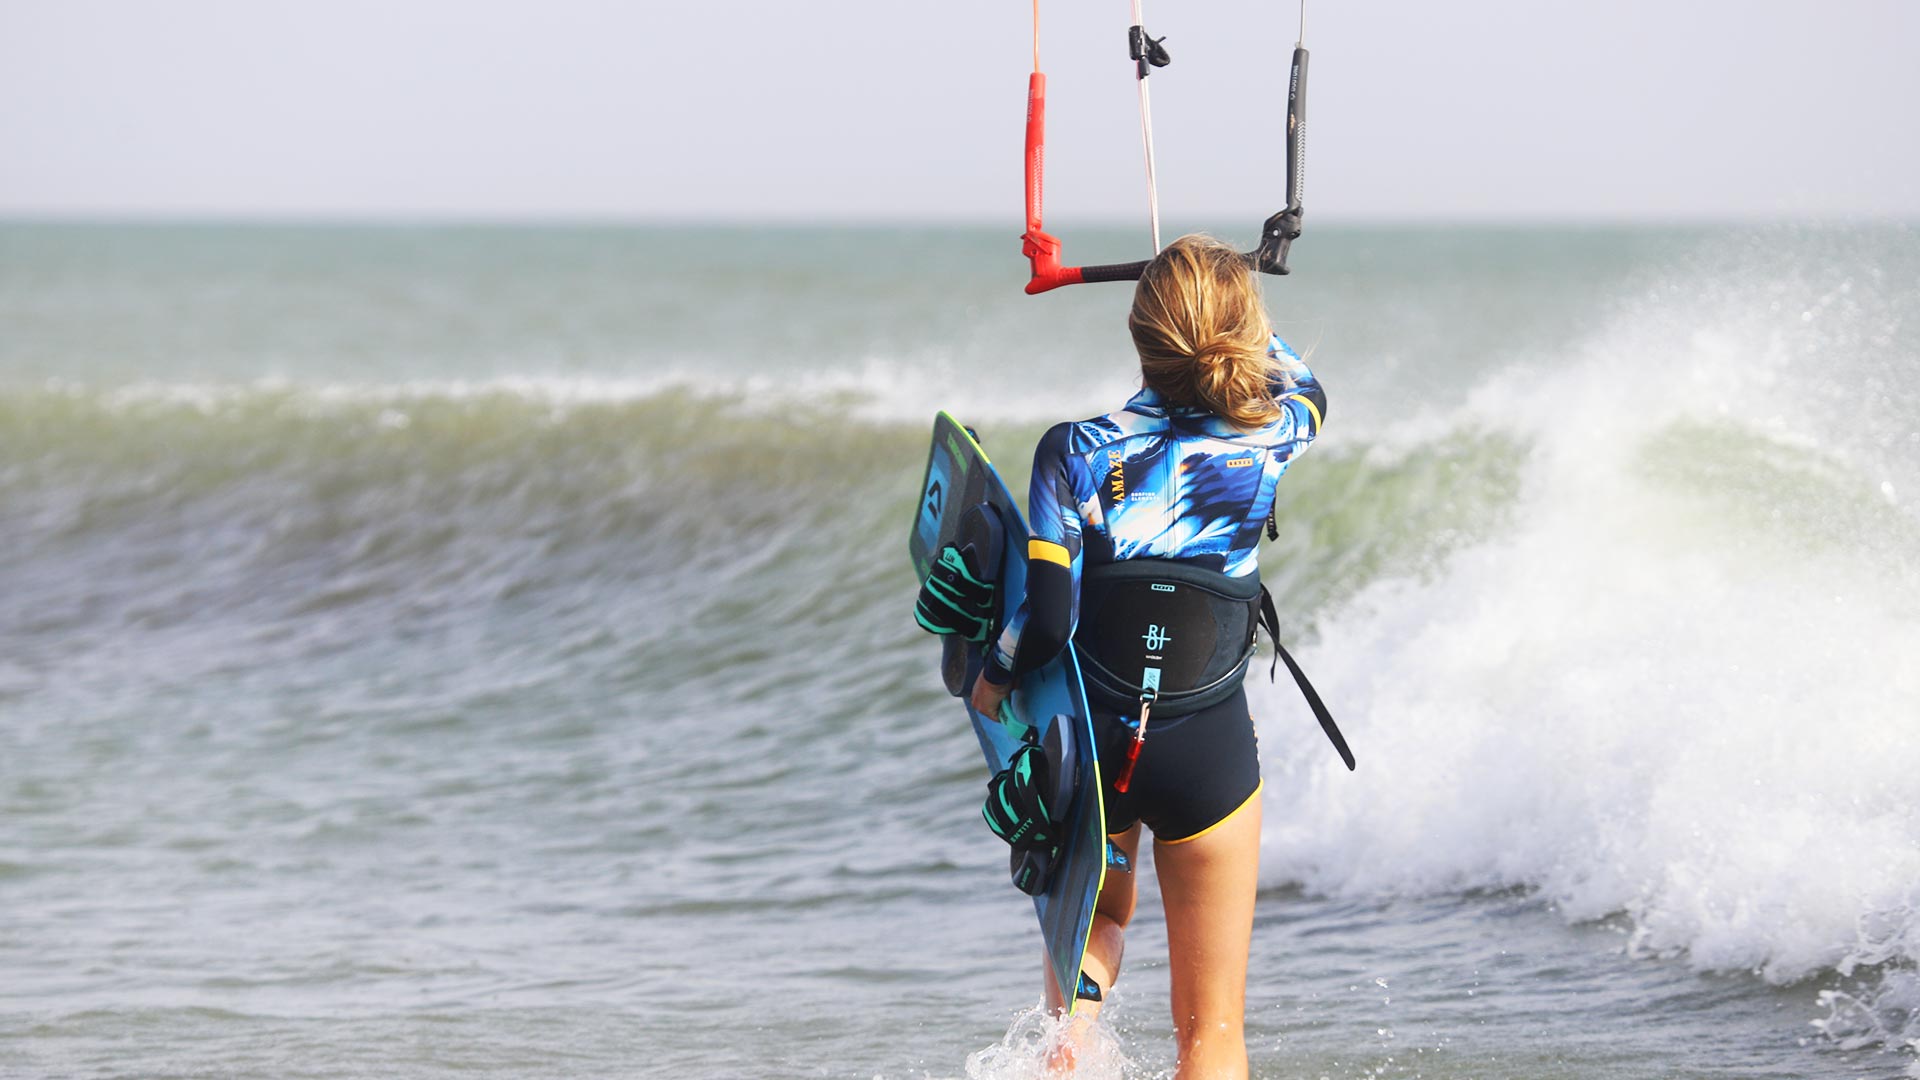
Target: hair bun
x=1217 y=350
x=1202 y=333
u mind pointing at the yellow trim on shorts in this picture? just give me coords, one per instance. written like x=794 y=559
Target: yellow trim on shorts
x=1316 y=413
x=1230 y=816
x=1048 y=551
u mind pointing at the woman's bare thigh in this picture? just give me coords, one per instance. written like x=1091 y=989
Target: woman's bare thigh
x=1208 y=884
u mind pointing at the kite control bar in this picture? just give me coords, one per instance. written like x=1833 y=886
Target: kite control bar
x=1042 y=249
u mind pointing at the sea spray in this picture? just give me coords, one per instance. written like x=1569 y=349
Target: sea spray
x=1678 y=680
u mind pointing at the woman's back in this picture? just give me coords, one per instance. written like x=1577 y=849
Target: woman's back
x=1153 y=481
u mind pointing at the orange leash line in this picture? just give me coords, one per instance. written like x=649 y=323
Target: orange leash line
x=1036 y=37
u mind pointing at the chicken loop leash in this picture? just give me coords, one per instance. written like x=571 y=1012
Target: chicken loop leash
x=1042 y=249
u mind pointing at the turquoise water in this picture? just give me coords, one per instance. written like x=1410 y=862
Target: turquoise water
x=487 y=652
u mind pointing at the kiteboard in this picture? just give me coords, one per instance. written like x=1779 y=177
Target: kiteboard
x=962 y=499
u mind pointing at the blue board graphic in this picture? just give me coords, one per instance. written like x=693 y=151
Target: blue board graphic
x=959 y=476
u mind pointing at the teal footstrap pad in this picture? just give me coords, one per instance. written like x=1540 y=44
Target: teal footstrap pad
x=1016 y=810
x=1016 y=806
x=954 y=600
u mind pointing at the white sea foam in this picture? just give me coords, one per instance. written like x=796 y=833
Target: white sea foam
x=874 y=390
x=213 y=396
x=1648 y=694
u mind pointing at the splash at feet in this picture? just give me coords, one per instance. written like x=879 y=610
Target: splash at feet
x=1036 y=1047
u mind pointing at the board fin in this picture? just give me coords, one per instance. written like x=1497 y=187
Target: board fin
x=1087 y=990
x=1032 y=870
x=1117 y=859
x=955 y=665
x=983 y=543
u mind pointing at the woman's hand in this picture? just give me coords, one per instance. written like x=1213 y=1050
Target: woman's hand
x=987 y=698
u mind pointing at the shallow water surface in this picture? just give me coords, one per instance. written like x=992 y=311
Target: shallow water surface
x=487 y=652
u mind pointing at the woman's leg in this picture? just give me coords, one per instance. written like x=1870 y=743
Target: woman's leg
x=1111 y=913
x=1208 y=883
x=1105 y=942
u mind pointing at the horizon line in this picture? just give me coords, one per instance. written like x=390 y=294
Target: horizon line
x=148 y=218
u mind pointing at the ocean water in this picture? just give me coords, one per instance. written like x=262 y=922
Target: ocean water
x=487 y=652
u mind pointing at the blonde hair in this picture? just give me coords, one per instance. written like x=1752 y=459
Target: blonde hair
x=1202 y=332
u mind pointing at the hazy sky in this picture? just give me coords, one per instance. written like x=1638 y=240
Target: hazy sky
x=892 y=109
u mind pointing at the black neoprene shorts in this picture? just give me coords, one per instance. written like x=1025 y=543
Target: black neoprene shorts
x=1194 y=772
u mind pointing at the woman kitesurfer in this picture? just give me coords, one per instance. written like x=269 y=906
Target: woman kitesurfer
x=1180 y=482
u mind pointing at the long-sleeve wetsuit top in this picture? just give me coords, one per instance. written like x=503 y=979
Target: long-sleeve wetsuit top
x=1149 y=482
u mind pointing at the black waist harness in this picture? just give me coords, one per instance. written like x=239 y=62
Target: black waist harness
x=1179 y=636
x=1181 y=631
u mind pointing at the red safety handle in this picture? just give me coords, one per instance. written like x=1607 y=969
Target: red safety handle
x=1139 y=740
x=1133 y=758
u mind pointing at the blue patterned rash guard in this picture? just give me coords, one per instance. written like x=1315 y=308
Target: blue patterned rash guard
x=1149 y=482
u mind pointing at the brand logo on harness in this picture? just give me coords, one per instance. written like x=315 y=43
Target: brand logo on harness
x=933 y=499
x=1156 y=637
x=1157 y=587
